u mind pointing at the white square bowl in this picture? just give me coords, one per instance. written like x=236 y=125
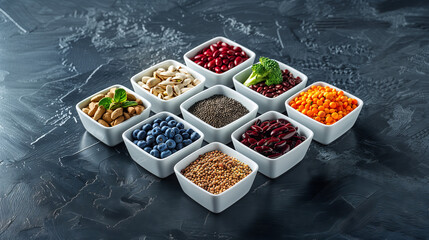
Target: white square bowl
x=213 y=78
x=160 y=167
x=216 y=202
x=274 y=167
x=110 y=136
x=325 y=134
x=172 y=105
x=265 y=103
x=222 y=134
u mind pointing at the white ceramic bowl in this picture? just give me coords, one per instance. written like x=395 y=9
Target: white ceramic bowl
x=222 y=134
x=171 y=105
x=159 y=167
x=212 y=77
x=325 y=134
x=265 y=103
x=216 y=202
x=274 y=167
x=110 y=136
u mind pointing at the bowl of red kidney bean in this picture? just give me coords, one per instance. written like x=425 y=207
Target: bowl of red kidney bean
x=271 y=97
x=274 y=141
x=219 y=59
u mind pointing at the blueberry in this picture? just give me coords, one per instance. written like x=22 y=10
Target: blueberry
x=135 y=133
x=155 y=125
x=195 y=136
x=169 y=118
x=180 y=125
x=156 y=131
x=157 y=120
x=155 y=147
x=141 y=135
x=163 y=123
x=182 y=131
x=168 y=133
x=172 y=123
x=178 y=138
x=170 y=143
x=154 y=153
x=142 y=144
x=135 y=142
x=147 y=127
x=162 y=147
x=149 y=133
x=176 y=130
x=165 y=154
x=185 y=135
x=173 y=151
x=164 y=128
x=160 y=139
x=147 y=149
x=190 y=131
x=187 y=142
x=150 y=140
x=179 y=146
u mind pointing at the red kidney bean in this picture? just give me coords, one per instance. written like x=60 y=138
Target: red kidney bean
x=237 y=49
x=218 y=62
x=224 y=44
x=256 y=128
x=230 y=52
x=287 y=135
x=213 y=48
x=271 y=142
x=264 y=123
x=252 y=133
x=257 y=122
x=225 y=61
x=217 y=70
x=238 y=60
x=252 y=141
x=273 y=126
x=211 y=64
x=224 y=68
x=245 y=142
x=259 y=89
x=231 y=65
x=263 y=149
x=280 y=144
x=283 y=121
x=243 y=54
x=285 y=149
x=216 y=54
x=279 y=131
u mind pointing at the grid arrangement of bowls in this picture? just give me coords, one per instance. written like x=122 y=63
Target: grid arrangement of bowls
x=270 y=108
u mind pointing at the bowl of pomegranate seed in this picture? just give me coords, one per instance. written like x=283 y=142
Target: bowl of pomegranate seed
x=219 y=59
x=269 y=83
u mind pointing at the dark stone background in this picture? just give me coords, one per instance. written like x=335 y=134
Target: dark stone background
x=59 y=182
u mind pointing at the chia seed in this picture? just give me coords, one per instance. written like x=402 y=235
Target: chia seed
x=218 y=110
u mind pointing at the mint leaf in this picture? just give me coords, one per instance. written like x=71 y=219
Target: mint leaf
x=105 y=102
x=115 y=105
x=129 y=104
x=120 y=95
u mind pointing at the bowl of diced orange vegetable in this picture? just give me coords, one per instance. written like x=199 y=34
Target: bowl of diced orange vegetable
x=327 y=110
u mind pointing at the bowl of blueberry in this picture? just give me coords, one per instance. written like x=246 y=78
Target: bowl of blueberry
x=161 y=141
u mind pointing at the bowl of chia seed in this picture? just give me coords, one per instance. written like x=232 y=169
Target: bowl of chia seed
x=218 y=111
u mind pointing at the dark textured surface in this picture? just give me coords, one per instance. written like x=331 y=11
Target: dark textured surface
x=59 y=182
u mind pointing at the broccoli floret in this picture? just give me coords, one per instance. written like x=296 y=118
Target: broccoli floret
x=275 y=74
x=267 y=70
x=258 y=75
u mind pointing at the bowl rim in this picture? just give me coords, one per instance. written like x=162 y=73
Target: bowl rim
x=249 y=53
x=146 y=102
x=203 y=150
x=321 y=83
x=294 y=123
x=131 y=129
x=234 y=79
x=134 y=79
x=213 y=89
